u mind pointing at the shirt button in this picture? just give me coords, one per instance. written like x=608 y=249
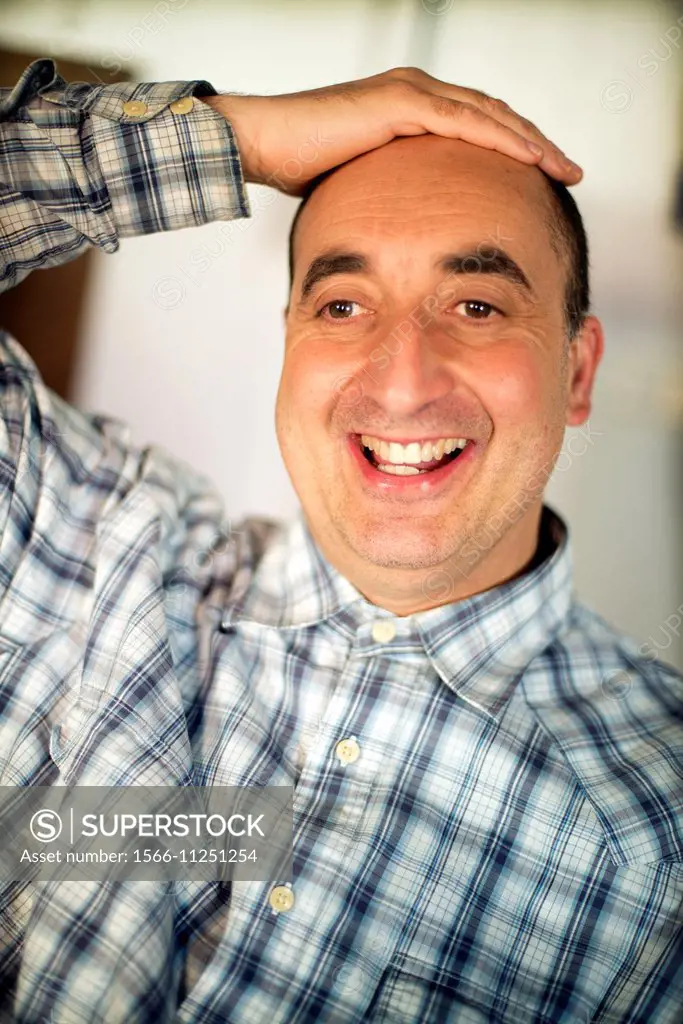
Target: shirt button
x=348 y=750
x=183 y=106
x=281 y=898
x=383 y=631
x=134 y=108
x=349 y=978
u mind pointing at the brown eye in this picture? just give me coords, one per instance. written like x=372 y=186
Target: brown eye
x=338 y=309
x=477 y=310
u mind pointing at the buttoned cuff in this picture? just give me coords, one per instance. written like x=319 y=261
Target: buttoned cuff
x=166 y=159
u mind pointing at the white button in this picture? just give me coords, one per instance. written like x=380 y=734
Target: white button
x=134 y=108
x=383 y=630
x=348 y=814
x=349 y=978
x=348 y=750
x=281 y=898
x=298 y=754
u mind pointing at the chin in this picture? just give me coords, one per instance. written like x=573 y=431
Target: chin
x=398 y=547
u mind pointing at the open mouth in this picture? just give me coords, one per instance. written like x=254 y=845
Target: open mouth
x=415 y=458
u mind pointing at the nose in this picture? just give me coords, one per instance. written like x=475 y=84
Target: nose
x=407 y=370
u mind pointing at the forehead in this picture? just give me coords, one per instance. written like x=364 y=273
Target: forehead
x=409 y=201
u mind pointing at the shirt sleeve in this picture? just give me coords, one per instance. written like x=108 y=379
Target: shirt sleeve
x=85 y=165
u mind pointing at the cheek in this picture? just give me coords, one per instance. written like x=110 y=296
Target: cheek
x=316 y=378
x=517 y=388
x=305 y=395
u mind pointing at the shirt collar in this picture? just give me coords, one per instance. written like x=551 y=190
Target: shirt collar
x=479 y=646
x=292 y=584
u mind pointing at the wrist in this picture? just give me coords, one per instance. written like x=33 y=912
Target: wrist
x=232 y=108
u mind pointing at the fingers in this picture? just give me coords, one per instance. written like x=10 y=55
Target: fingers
x=483 y=120
x=458 y=120
x=554 y=161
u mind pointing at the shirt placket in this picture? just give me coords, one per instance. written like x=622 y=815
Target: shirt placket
x=290 y=919
x=344 y=761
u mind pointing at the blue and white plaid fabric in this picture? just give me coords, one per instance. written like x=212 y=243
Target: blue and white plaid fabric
x=507 y=845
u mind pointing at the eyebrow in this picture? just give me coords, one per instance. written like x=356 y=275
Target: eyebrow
x=477 y=260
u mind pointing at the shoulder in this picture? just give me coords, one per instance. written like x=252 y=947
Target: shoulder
x=616 y=713
x=622 y=663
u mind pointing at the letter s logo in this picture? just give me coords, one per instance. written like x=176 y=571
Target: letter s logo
x=45 y=826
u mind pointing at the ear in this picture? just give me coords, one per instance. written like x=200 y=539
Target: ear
x=585 y=353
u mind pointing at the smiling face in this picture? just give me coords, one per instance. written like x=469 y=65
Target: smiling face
x=427 y=377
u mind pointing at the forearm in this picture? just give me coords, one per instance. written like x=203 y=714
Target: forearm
x=86 y=165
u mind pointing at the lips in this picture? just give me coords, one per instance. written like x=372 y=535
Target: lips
x=438 y=474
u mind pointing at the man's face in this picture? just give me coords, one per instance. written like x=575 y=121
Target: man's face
x=406 y=349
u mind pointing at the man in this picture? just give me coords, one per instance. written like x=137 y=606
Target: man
x=484 y=828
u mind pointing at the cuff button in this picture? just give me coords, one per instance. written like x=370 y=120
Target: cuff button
x=134 y=108
x=182 y=106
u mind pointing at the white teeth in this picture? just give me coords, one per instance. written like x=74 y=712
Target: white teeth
x=413 y=452
x=400 y=470
x=396 y=454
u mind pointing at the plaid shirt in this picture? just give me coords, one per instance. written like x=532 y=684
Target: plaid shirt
x=499 y=839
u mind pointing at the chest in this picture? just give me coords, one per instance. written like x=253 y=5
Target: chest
x=446 y=866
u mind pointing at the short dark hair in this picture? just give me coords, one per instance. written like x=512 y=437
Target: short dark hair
x=567 y=235
x=568 y=238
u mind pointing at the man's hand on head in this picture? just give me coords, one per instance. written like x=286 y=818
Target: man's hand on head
x=285 y=141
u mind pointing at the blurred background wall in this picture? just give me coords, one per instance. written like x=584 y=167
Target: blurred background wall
x=191 y=357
